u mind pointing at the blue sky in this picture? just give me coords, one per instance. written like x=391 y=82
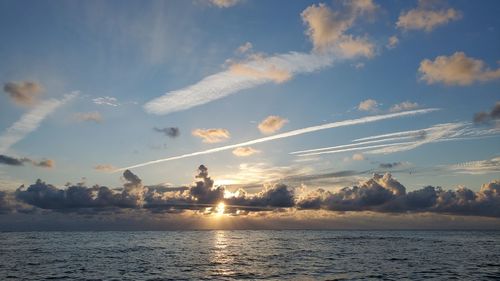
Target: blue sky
x=444 y=55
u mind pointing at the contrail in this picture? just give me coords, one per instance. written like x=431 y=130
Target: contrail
x=30 y=121
x=356 y=148
x=350 y=122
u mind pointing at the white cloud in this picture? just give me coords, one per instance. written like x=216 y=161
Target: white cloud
x=406 y=105
x=245 y=151
x=480 y=167
x=457 y=69
x=391 y=142
x=293 y=133
x=30 y=121
x=427 y=17
x=272 y=124
x=368 y=105
x=111 y=101
x=212 y=135
x=225 y=83
x=224 y=3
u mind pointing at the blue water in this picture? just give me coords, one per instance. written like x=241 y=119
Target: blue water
x=236 y=255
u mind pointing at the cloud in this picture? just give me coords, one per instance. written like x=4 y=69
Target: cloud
x=171 y=132
x=272 y=124
x=368 y=105
x=390 y=165
x=244 y=48
x=392 y=42
x=457 y=69
x=30 y=121
x=327 y=28
x=110 y=101
x=406 y=140
x=380 y=193
x=24 y=93
x=406 y=105
x=224 y=3
x=358 y=157
x=245 y=151
x=269 y=72
x=293 y=133
x=486 y=117
x=481 y=167
x=11 y=161
x=104 y=168
x=259 y=69
x=385 y=194
x=212 y=135
x=248 y=74
x=89 y=117
x=427 y=17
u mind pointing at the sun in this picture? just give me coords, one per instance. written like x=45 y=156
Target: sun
x=219 y=210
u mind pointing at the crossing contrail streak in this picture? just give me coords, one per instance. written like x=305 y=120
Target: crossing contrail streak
x=297 y=132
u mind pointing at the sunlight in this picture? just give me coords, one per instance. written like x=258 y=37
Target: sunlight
x=220 y=209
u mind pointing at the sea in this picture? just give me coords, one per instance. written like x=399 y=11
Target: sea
x=251 y=255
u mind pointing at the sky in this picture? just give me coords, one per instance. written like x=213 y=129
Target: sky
x=386 y=113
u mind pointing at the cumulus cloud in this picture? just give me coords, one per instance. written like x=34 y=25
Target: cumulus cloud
x=244 y=48
x=104 y=168
x=12 y=161
x=457 y=69
x=272 y=124
x=385 y=194
x=358 y=157
x=171 y=132
x=427 y=16
x=89 y=117
x=327 y=28
x=110 y=101
x=224 y=3
x=368 y=105
x=30 y=121
x=392 y=42
x=212 y=135
x=486 y=117
x=406 y=105
x=381 y=193
x=245 y=151
x=24 y=93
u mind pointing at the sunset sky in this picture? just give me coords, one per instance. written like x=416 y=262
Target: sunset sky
x=287 y=102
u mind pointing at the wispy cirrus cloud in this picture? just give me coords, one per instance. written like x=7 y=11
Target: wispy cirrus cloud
x=293 y=133
x=30 y=121
x=479 y=167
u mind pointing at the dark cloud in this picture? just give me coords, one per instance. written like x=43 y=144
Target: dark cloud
x=7 y=160
x=171 y=132
x=12 y=161
x=23 y=93
x=390 y=165
x=381 y=193
x=486 y=117
x=385 y=194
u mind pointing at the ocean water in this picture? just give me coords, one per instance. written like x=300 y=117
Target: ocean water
x=237 y=255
